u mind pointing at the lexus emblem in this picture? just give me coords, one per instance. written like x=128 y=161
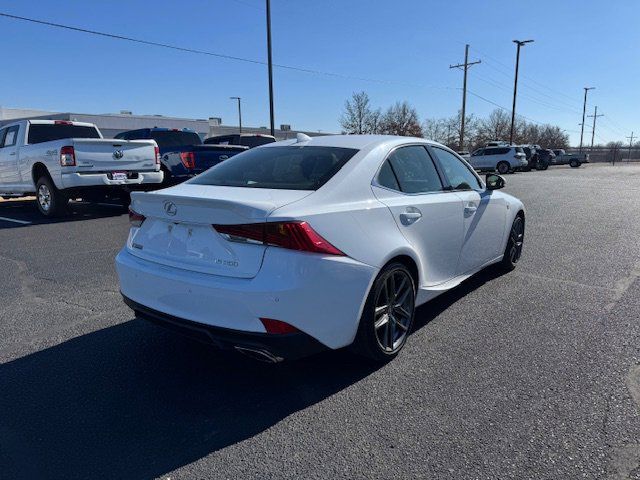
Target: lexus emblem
x=118 y=154
x=170 y=208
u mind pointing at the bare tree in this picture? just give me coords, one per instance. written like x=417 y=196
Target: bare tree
x=357 y=115
x=373 y=123
x=401 y=119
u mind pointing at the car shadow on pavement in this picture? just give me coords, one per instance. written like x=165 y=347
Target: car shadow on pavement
x=135 y=401
x=24 y=213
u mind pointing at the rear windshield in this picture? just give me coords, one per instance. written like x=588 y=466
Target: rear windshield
x=42 y=132
x=170 y=139
x=287 y=168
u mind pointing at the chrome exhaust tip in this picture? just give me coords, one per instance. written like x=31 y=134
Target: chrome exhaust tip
x=260 y=355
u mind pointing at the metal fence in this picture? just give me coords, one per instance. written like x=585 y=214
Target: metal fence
x=610 y=154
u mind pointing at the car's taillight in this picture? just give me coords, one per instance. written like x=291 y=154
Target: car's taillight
x=277 y=327
x=135 y=218
x=157 y=152
x=291 y=235
x=188 y=159
x=67 y=157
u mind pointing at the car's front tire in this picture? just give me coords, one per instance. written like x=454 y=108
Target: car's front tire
x=513 y=251
x=503 y=168
x=388 y=314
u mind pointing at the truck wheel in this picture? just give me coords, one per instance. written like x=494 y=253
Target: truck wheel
x=51 y=201
x=503 y=168
x=574 y=163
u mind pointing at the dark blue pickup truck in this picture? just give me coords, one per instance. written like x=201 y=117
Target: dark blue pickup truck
x=182 y=153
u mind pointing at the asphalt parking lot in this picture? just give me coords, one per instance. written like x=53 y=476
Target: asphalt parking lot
x=533 y=374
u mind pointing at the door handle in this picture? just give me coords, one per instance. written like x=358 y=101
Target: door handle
x=470 y=208
x=411 y=215
x=12 y=153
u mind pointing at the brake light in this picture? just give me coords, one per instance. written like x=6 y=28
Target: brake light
x=157 y=152
x=67 y=157
x=135 y=218
x=188 y=159
x=291 y=235
x=277 y=327
x=62 y=122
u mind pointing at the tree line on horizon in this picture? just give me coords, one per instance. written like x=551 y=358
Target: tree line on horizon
x=359 y=117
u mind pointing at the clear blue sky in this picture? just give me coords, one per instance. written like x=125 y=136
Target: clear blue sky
x=406 y=44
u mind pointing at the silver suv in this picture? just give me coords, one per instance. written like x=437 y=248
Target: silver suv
x=504 y=159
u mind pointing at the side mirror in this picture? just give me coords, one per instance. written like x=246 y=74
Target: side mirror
x=494 y=182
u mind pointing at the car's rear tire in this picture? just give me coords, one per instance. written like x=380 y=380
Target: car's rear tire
x=574 y=164
x=503 y=168
x=513 y=250
x=51 y=202
x=388 y=314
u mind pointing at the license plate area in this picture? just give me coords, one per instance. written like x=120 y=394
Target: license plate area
x=119 y=176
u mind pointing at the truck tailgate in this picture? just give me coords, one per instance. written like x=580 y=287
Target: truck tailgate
x=108 y=155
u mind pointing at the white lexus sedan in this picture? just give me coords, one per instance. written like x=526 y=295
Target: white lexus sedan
x=315 y=243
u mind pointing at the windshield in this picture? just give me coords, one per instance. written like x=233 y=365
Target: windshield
x=171 y=139
x=46 y=132
x=288 y=168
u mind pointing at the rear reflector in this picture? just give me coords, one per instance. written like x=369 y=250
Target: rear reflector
x=188 y=159
x=67 y=157
x=290 y=235
x=135 y=218
x=277 y=327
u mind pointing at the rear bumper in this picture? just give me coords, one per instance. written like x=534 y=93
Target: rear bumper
x=322 y=296
x=273 y=348
x=80 y=180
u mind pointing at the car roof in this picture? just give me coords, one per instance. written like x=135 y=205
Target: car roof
x=350 y=141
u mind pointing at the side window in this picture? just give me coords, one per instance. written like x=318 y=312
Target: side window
x=386 y=177
x=459 y=175
x=491 y=151
x=415 y=170
x=2 y=132
x=11 y=136
x=478 y=152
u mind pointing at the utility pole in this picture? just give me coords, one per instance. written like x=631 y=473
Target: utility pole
x=630 y=144
x=593 y=130
x=584 y=111
x=519 y=43
x=270 y=67
x=239 y=112
x=465 y=66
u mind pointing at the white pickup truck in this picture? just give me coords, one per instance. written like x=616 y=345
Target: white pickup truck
x=59 y=160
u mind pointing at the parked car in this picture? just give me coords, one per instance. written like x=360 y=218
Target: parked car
x=315 y=243
x=182 y=153
x=504 y=159
x=57 y=160
x=245 y=139
x=545 y=158
x=572 y=159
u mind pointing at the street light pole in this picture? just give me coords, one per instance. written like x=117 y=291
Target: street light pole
x=519 y=43
x=270 y=67
x=239 y=113
x=584 y=110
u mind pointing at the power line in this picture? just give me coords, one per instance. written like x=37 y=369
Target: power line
x=215 y=54
x=508 y=68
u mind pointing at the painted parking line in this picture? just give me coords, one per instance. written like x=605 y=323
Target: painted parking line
x=21 y=222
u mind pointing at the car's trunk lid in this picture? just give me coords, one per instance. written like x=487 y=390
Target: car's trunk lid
x=178 y=229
